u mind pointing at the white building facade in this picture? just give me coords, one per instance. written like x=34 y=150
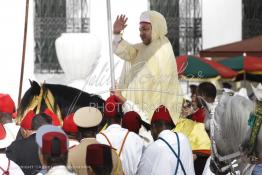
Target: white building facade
x=222 y=21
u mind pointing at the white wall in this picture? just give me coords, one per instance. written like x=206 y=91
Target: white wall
x=222 y=22
x=12 y=14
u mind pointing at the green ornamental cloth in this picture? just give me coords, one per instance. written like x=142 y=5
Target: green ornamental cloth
x=255 y=127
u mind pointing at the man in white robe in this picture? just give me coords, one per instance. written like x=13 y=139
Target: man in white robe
x=149 y=76
x=171 y=153
x=7 y=121
x=7 y=109
x=6 y=165
x=129 y=146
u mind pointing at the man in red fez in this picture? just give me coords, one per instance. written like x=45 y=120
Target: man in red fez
x=132 y=121
x=26 y=124
x=6 y=104
x=170 y=153
x=54 y=117
x=7 y=120
x=7 y=111
x=53 y=149
x=128 y=108
x=99 y=158
x=128 y=145
x=70 y=128
x=24 y=152
x=69 y=125
x=7 y=166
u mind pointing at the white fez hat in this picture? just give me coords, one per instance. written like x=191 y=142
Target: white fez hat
x=145 y=18
x=87 y=117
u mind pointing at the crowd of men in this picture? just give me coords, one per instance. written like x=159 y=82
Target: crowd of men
x=82 y=146
x=89 y=142
x=116 y=141
x=123 y=138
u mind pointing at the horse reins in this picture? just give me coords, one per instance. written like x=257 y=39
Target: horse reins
x=216 y=156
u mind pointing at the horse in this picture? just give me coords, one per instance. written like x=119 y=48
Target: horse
x=61 y=99
x=230 y=132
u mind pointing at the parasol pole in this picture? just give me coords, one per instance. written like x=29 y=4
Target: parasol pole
x=245 y=78
x=23 y=53
x=109 y=30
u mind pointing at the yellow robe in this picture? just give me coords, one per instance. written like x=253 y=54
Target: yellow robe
x=196 y=133
x=149 y=76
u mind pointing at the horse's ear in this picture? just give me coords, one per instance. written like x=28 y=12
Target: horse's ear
x=35 y=87
x=31 y=82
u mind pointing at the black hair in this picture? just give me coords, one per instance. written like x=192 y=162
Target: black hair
x=54 y=160
x=158 y=126
x=5 y=118
x=39 y=120
x=163 y=124
x=56 y=157
x=207 y=89
x=118 y=117
x=2 y=150
x=107 y=168
x=193 y=88
x=86 y=132
x=226 y=85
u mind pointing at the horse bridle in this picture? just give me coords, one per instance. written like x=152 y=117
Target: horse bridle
x=220 y=164
x=223 y=164
x=46 y=96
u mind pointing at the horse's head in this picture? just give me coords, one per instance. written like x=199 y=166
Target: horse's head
x=61 y=100
x=39 y=100
x=230 y=127
x=27 y=98
x=231 y=123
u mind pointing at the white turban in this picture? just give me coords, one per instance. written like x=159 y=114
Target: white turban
x=158 y=22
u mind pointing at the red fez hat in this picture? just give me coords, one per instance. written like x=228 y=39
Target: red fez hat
x=112 y=107
x=69 y=124
x=54 y=143
x=131 y=121
x=26 y=123
x=6 y=104
x=98 y=155
x=55 y=120
x=162 y=114
x=2 y=132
